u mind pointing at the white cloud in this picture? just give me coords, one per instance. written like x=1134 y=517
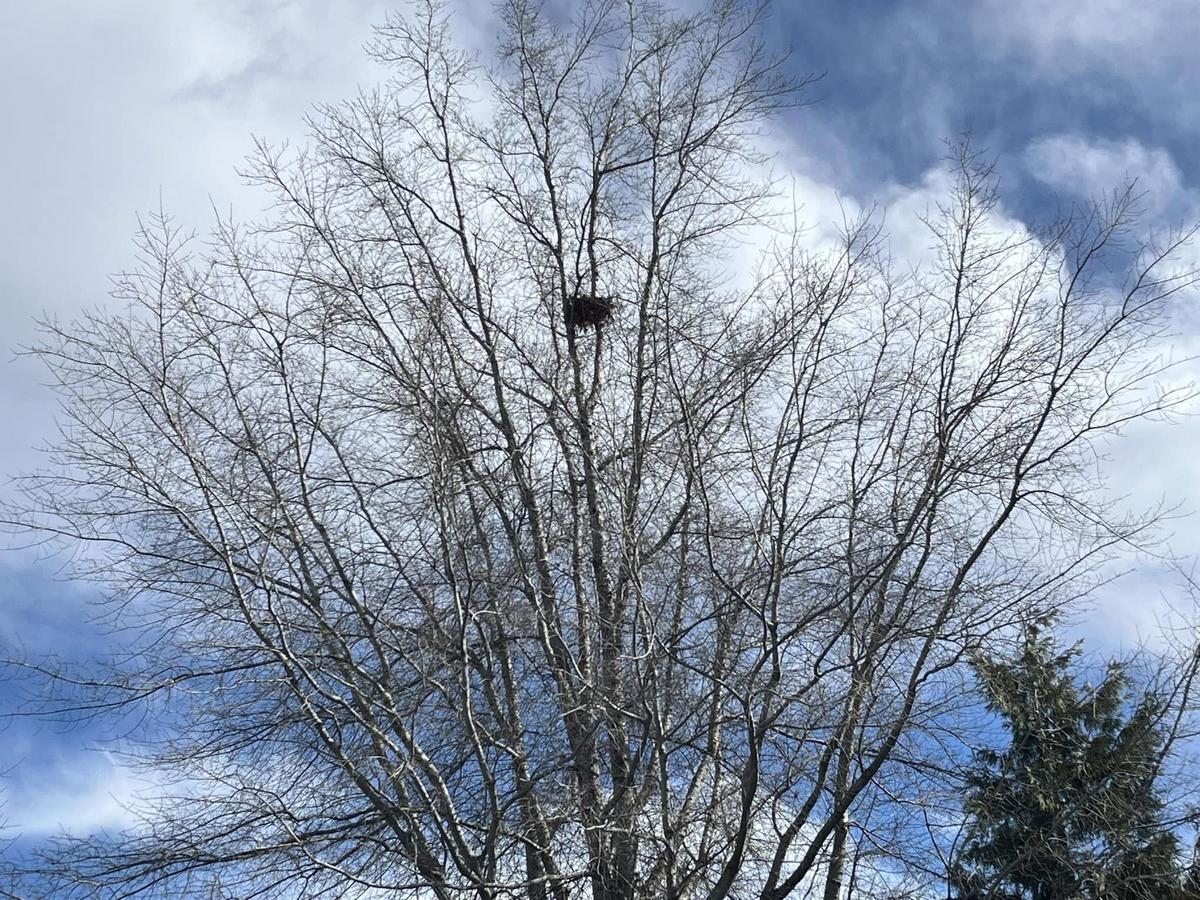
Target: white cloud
x=908 y=205
x=1085 y=168
x=107 y=107
x=1067 y=35
x=1149 y=465
x=78 y=794
x=824 y=207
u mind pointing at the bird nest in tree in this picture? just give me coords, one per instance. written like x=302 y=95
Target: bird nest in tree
x=587 y=310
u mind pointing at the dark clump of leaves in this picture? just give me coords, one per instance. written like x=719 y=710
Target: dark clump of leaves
x=587 y=310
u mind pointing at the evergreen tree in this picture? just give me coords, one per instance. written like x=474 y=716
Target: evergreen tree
x=1069 y=809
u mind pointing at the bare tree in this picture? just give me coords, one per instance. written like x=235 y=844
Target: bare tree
x=487 y=539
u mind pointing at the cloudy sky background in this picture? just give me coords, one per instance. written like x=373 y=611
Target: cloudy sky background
x=109 y=106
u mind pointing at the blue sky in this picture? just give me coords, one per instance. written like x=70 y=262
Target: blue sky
x=108 y=107
x=900 y=77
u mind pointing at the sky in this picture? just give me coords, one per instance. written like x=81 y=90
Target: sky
x=113 y=108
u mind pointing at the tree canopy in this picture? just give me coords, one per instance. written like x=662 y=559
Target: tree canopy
x=1069 y=808
x=445 y=586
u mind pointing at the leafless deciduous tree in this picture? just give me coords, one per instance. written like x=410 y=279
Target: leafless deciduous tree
x=447 y=589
